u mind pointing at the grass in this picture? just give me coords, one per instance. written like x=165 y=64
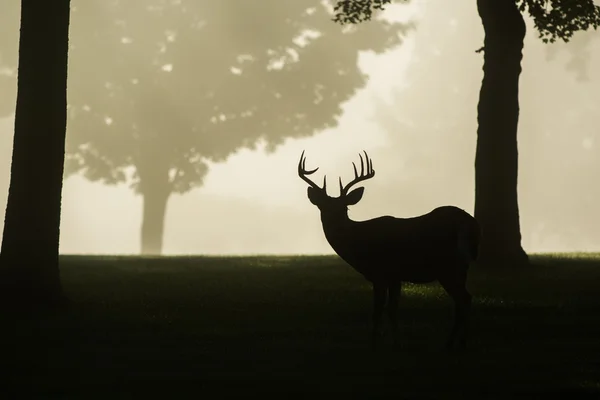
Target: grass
x=298 y=327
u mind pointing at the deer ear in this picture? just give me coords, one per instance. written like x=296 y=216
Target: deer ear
x=313 y=195
x=354 y=196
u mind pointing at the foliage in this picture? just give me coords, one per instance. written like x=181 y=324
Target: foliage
x=561 y=18
x=552 y=18
x=355 y=11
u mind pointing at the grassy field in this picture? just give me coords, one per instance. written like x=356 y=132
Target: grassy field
x=299 y=327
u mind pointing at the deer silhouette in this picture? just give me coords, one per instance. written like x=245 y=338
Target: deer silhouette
x=437 y=246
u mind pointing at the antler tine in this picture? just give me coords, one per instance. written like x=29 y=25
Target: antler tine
x=302 y=172
x=362 y=166
x=369 y=163
x=370 y=172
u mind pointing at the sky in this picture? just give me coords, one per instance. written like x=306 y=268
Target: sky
x=254 y=203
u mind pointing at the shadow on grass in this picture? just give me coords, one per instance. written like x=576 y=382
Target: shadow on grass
x=299 y=326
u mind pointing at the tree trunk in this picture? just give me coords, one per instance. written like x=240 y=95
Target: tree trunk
x=153 y=222
x=496 y=160
x=29 y=273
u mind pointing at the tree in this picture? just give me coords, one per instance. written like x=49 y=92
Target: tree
x=29 y=273
x=431 y=136
x=177 y=84
x=496 y=160
x=580 y=53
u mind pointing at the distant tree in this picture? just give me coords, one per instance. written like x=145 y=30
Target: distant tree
x=29 y=273
x=579 y=50
x=496 y=160
x=156 y=90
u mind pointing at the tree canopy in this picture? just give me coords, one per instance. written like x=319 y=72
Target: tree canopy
x=553 y=19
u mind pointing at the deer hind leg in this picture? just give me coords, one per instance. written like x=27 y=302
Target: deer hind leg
x=394 y=291
x=455 y=287
x=379 y=299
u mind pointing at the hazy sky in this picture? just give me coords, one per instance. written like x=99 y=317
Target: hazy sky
x=255 y=202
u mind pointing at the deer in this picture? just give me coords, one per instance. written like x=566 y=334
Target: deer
x=387 y=251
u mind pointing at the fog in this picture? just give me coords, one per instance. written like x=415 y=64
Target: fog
x=416 y=118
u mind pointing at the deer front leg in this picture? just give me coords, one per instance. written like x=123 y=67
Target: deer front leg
x=394 y=295
x=379 y=297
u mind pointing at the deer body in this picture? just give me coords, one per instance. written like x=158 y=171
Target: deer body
x=437 y=246
x=399 y=249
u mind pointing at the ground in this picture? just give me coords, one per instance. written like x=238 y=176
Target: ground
x=299 y=327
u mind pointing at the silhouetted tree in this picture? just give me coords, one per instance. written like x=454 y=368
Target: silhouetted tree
x=496 y=160
x=158 y=89
x=432 y=135
x=29 y=273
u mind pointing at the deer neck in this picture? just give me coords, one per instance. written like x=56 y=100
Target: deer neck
x=335 y=224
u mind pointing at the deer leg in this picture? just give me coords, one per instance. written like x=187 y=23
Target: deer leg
x=466 y=299
x=379 y=298
x=392 y=309
x=452 y=336
x=462 y=306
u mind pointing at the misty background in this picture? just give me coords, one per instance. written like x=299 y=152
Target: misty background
x=416 y=117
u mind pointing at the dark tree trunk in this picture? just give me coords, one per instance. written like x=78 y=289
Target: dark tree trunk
x=496 y=161
x=153 y=222
x=29 y=273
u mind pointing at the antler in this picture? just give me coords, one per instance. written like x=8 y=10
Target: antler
x=302 y=172
x=363 y=177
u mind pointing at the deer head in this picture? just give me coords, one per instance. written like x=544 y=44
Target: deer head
x=336 y=205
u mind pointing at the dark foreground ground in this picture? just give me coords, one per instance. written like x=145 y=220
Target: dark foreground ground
x=298 y=327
